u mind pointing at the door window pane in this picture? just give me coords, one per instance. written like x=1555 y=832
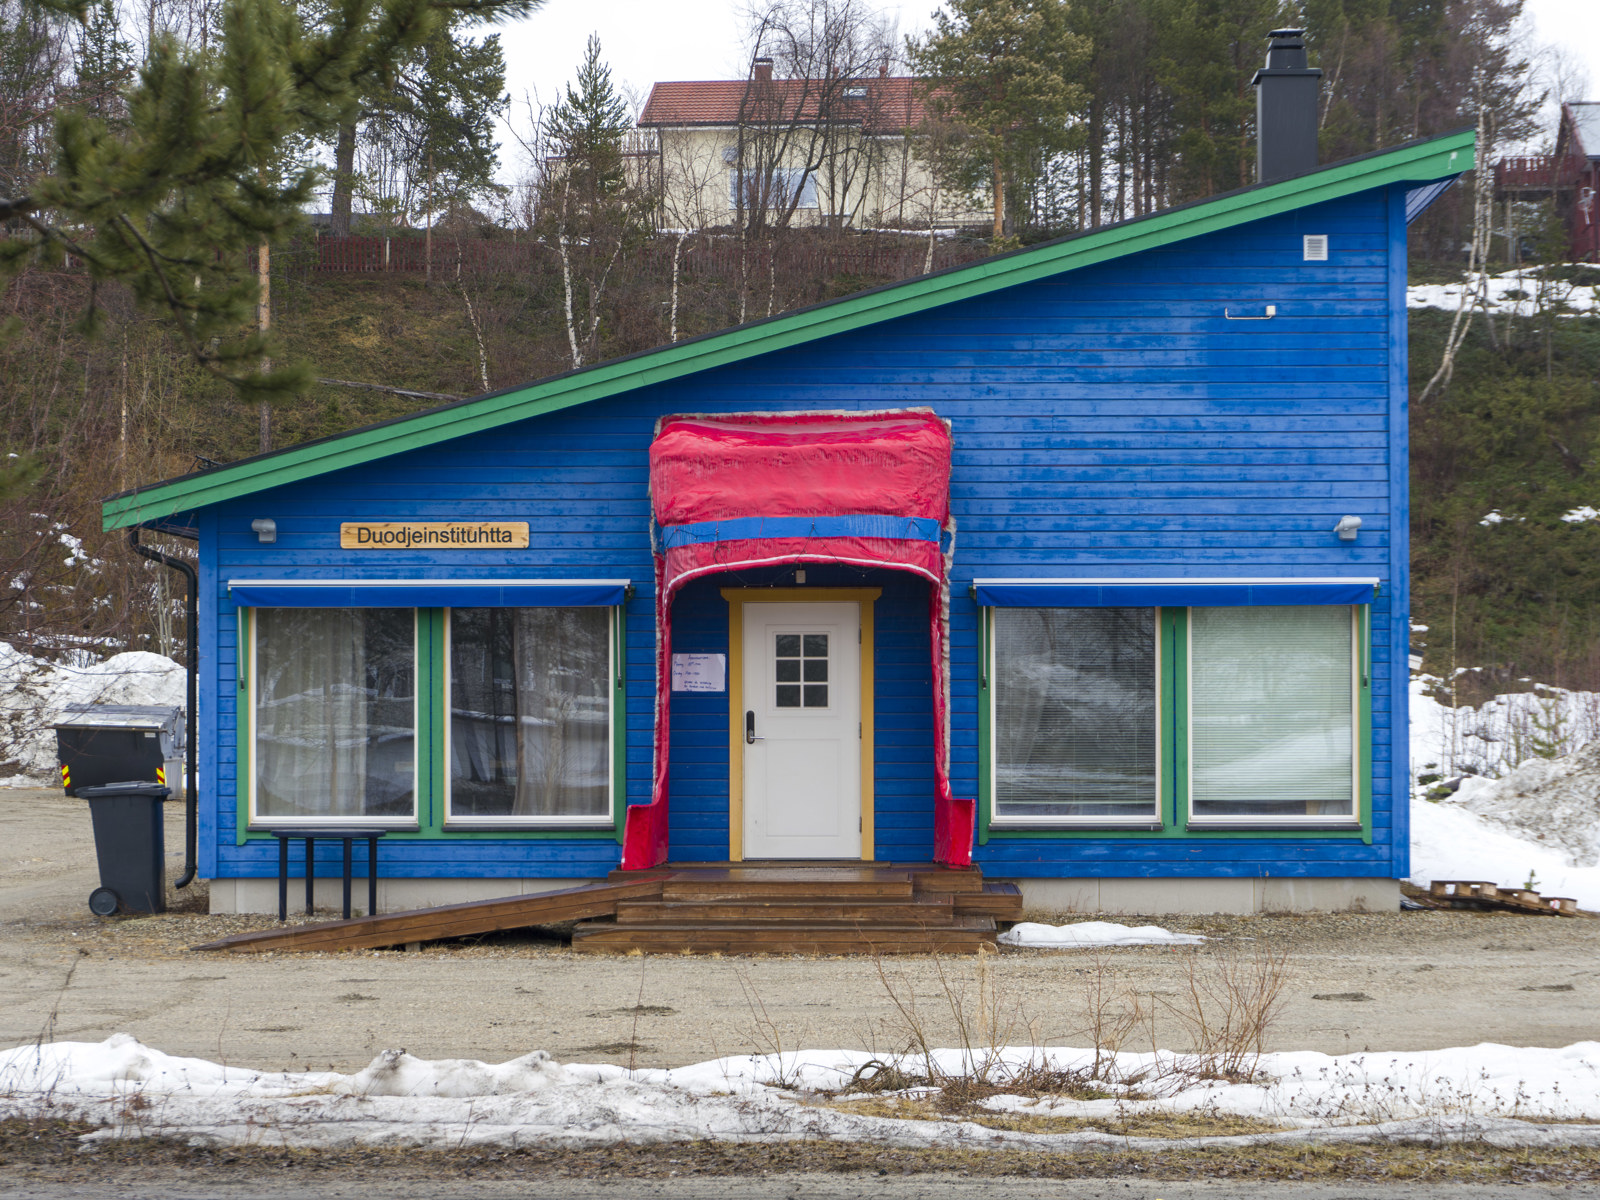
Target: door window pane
x=335 y=712
x=1271 y=712
x=530 y=712
x=800 y=657
x=1075 y=714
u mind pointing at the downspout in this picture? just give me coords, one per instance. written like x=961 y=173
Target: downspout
x=191 y=804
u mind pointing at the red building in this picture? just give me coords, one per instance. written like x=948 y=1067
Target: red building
x=1571 y=176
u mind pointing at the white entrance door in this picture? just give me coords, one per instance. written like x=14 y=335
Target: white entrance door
x=802 y=726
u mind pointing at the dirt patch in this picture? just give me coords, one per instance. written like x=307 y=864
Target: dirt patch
x=49 y=1152
x=624 y=1048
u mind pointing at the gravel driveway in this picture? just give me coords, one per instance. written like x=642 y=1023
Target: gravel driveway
x=1401 y=981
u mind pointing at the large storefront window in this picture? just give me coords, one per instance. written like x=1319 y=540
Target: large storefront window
x=335 y=714
x=1166 y=719
x=1075 y=715
x=1271 y=713
x=530 y=715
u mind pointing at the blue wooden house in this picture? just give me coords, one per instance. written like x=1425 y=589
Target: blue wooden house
x=1085 y=564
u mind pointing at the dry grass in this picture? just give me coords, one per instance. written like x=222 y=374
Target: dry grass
x=1123 y=1124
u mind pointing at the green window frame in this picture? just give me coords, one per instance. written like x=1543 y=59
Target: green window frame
x=1174 y=754
x=457 y=821
x=432 y=753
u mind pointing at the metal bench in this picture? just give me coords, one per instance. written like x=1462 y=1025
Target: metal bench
x=311 y=837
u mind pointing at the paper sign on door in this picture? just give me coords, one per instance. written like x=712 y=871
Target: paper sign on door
x=699 y=672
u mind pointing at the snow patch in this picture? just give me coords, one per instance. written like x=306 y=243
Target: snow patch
x=1450 y=842
x=1498 y=735
x=35 y=692
x=1486 y=1092
x=1522 y=292
x=1086 y=934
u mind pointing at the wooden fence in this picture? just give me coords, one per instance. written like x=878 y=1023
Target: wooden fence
x=888 y=257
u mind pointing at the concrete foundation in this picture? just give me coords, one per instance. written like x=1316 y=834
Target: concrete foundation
x=1156 y=896
x=1149 y=897
x=394 y=895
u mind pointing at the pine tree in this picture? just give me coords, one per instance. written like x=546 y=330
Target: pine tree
x=105 y=65
x=1005 y=71
x=171 y=203
x=435 y=121
x=587 y=127
x=590 y=213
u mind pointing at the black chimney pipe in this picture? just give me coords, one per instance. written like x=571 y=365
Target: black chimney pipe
x=1287 y=91
x=191 y=805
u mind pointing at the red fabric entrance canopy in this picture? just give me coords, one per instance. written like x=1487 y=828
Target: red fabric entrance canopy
x=743 y=490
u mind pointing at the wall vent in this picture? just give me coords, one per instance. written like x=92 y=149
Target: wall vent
x=1316 y=247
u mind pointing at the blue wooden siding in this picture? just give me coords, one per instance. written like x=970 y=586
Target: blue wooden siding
x=1109 y=421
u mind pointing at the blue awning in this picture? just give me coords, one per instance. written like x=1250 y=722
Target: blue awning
x=427 y=593
x=1153 y=593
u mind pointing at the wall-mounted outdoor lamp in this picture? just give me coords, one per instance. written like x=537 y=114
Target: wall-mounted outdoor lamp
x=1347 y=528
x=266 y=529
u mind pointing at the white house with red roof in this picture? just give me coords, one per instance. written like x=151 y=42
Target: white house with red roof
x=796 y=152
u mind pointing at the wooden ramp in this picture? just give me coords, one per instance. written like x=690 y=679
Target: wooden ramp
x=703 y=908
x=446 y=921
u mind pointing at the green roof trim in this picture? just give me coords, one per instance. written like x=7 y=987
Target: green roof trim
x=1417 y=162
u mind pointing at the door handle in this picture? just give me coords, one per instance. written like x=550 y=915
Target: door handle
x=750 y=737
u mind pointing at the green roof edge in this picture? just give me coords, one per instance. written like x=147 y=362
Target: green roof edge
x=1435 y=158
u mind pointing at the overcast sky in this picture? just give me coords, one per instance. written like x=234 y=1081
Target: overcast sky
x=650 y=40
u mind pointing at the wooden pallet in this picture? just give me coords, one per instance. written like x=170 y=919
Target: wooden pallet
x=1477 y=893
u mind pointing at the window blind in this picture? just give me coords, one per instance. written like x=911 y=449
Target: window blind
x=1075 y=714
x=1271 y=702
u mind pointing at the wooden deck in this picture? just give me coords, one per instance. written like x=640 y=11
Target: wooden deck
x=703 y=908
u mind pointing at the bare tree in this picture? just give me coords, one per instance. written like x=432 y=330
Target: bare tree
x=805 y=109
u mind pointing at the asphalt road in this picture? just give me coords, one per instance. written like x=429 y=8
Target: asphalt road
x=806 y=1187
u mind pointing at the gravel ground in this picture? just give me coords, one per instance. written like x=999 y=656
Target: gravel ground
x=1400 y=981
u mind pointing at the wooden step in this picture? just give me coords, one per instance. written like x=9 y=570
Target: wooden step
x=810 y=938
x=1002 y=901
x=845 y=910
x=446 y=921
x=948 y=879
x=808 y=883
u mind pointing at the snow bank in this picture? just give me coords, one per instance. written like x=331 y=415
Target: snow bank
x=1087 y=934
x=1449 y=842
x=34 y=693
x=1521 y=292
x=1541 y=818
x=1500 y=734
x=1553 y=802
x=1489 y=1092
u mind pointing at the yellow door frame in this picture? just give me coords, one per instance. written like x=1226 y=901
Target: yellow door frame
x=737 y=598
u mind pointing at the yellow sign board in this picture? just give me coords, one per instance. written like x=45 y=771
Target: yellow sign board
x=434 y=535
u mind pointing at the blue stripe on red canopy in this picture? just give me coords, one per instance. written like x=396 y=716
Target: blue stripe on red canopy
x=861 y=525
